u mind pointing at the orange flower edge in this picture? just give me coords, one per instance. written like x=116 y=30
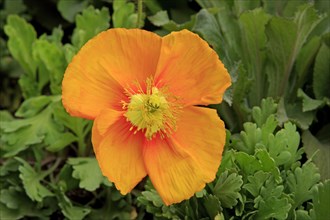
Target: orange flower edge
x=141 y=90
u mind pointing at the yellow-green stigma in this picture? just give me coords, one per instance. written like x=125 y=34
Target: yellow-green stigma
x=150 y=112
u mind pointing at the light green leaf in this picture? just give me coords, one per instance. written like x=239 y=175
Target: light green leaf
x=31 y=182
x=32 y=130
x=51 y=55
x=261 y=114
x=69 y=52
x=321 y=77
x=33 y=106
x=15 y=204
x=124 y=14
x=90 y=23
x=66 y=139
x=255 y=182
x=301 y=183
x=272 y=202
x=283 y=147
x=227 y=189
x=21 y=38
x=69 y=9
x=87 y=170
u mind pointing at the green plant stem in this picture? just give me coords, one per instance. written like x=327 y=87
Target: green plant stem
x=53 y=168
x=139 y=13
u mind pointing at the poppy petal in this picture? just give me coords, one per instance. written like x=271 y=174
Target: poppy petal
x=208 y=136
x=181 y=165
x=105 y=65
x=119 y=152
x=187 y=63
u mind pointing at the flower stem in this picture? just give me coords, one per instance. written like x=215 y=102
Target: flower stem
x=139 y=13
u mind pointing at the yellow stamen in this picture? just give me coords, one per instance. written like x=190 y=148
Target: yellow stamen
x=151 y=112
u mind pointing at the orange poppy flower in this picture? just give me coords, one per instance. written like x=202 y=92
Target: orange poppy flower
x=141 y=90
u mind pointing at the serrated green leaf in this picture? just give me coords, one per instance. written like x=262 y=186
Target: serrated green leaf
x=33 y=106
x=321 y=76
x=212 y=205
x=227 y=189
x=318 y=150
x=256 y=181
x=90 y=23
x=283 y=147
x=32 y=130
x=261 y=114
x=21 y=38
x=302 y=182
x=31 y=182
x=272 y=202
x=69 y=9
x=14 y=204
x=87 y=170
x=268 y=164
x=122 y=13
x=51 y=55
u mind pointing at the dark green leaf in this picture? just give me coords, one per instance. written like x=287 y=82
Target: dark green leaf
x=69 y=9
x=321 y=77
x=227 y=189
x=321 y=201
x=318 y=151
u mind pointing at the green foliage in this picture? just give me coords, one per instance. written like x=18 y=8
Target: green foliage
x=88 y=172
x=88 y=24
x=277 y=53
x=260 y=177
x=267 y=55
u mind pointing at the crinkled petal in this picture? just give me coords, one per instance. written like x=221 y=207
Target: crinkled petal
x=105 y=65
x=118 y=151
x=191 y=69
x=180 y=166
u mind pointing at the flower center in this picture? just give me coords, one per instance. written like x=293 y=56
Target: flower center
x=152 y=112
